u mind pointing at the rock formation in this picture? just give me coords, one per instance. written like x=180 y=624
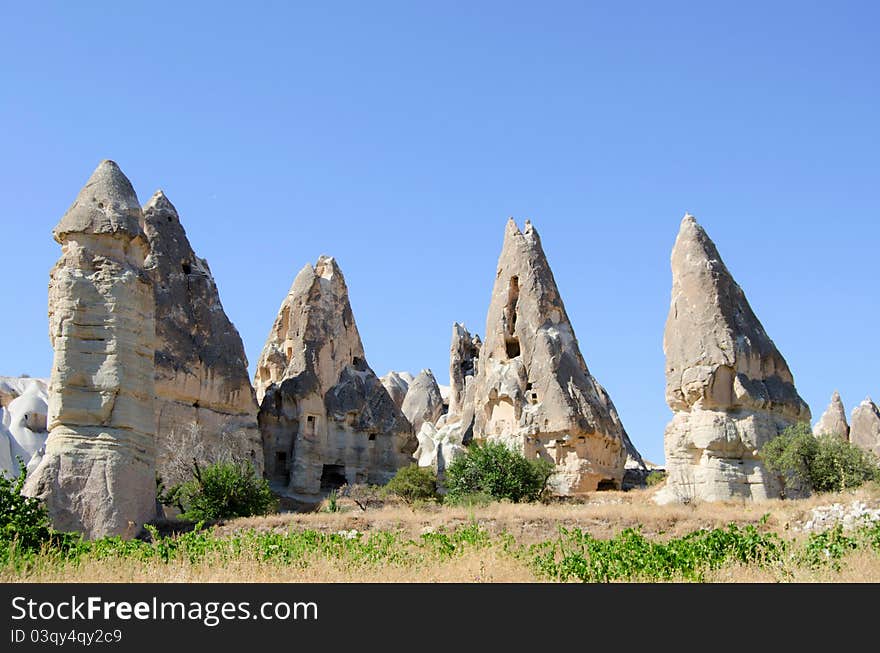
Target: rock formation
x=464 y=352
x=833 y=420
x=22 y=423
x=865 y=426
x=442 y=441
x=98 y=472
x=205 y=405
x=423 y=401
x=728 y=385
x=396 y=385
x=325 y=417
x=533 y=390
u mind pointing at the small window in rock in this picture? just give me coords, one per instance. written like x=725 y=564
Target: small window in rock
x=310 y=424
x=534 y=397
x=529 y=385
x=170 y=219
x=187 y=268
x=372 y=437
x=357 y=361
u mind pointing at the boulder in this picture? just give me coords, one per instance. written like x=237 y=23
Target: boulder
x=730 y=389
x=325 y=418
x=205 y=405
x=833 y=420
x=97 y=475
x=533 y=390
x=865 y=426
x=423 y=401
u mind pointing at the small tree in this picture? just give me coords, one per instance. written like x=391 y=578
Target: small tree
x=493 y=468
x=221 y=491
x=413 y=484
x=807 y=463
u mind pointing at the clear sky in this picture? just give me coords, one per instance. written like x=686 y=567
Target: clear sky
x=398 y=137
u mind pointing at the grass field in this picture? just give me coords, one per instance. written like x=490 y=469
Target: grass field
x=607 y=537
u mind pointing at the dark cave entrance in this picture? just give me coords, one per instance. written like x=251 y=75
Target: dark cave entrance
x=332 y=477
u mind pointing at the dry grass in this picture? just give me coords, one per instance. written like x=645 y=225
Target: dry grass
x=603 y=515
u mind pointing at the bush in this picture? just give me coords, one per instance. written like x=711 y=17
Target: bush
x=412 y=484
x=807 y=463
x=494 y=469
x=655 y=478
x=221 y=491
x=23 y=520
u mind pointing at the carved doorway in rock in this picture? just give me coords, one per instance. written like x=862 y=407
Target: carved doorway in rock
x=332 y=478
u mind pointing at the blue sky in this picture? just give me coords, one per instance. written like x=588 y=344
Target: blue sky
x=398 y=137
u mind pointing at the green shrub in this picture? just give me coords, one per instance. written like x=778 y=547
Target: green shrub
x=493 y=468
x=413 y=484
x=23 y=520
x=655 y=478
x=476 y=500
x=806 y=463
x=221 y=491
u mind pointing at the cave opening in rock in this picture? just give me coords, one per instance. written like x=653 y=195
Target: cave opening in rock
x=511 y=342
x=332 y=477
x=607 y=484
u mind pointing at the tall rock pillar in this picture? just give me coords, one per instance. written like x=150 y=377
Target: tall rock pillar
x=728 y=385
x=98 y=473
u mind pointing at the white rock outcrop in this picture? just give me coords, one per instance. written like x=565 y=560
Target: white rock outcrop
x=397 y=385
x=23 y=420
x=730 y=389
x=97 y=475
x=833 y=420
x=533 y=390
x=865 y=426
x=423 y=402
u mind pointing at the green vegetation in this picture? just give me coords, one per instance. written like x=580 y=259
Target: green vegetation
x=413 y=484
x=24 y=521
x=493 y=469
x=222 y=490
x=826 y=463
x=573 y=555
x=629 y=556
x=655 y=478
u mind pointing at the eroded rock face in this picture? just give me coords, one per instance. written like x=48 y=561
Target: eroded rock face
x=202 y=382
x=325 y=417
x=397 y=386
x=533 y=390
x=23 y=420
x=865 y=429
x=423 y=401
x=464 y=355
x=98 y=473
x=728 y=385
x=833 y=420
x=442 y=441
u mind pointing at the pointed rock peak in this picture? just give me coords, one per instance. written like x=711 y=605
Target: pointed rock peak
x=835 y=397
x=160 y=202
x=107 y=204
x=327 y=267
